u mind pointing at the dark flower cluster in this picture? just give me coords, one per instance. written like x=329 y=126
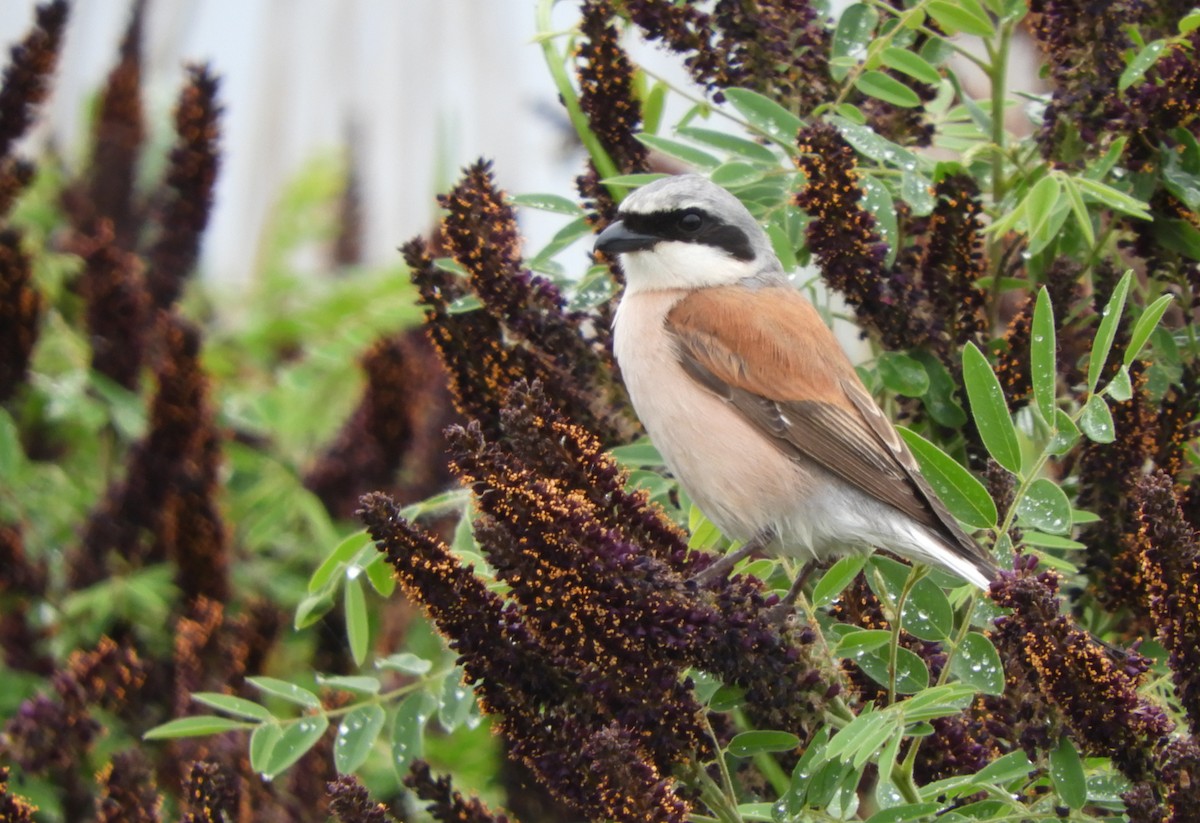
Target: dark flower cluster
x=1176 y=421
x=392 y=440
x=349 y=802
x=21 y=308
x=183 y=206
x=1109 y=473
x=777 y=47
x=1096 y=698
x=523 y=328
x=54 y=732
x=21 y=582
x=165 y=506
x=128 y=793
x=1169 y=554
x=118 y=307
x=26 y=81
x=445 y=804
x=842 y=235
x=13 y=808
x=951 y=263
x=599 y=607
x=209 y=795
x=1085 y=55
x=613 y=112
x=118 y=136
x=516 y=677
x=25 y=84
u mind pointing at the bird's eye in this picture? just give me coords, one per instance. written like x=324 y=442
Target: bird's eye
x=691 y=221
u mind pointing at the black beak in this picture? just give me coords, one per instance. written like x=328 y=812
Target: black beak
x=617 y=238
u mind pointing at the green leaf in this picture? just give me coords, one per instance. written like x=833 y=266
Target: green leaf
x=311 y=609
x=834 y=581
x=990 y=410
x=358 y=626
x=1043 y=349
x=287 y=691
x=1040 y=202
x=408 y=730
x=740 y=146
x=1145 y=326
x=456 y=701
x=380 y=575
x=232 y=705
x=965 y=497
x=961 y=16
x=867 y=142
x=912 y=675
x=927 y=613
x=851 y=38
x=1066 y=434
x=195 y=726
x=726 y=699
x=907 y=812
x=748 y=744
x=1066 y=770
x=325 y=575
x=877 y=200
x=1045 y=506
x=940 y=400
x=1113 y=198
x=912 y=64
x=11 y=453
x=294 y=743
x=1097 y=422
x=1120 y=388
x=1107 y=331
x=406 y=662
x=977 y=663
x=652 y=107
x=765 y=114
x=1042 y=540
x=1141 y=63
x=863 y=640
x=262 y=743
x=633 y=181
x=735 y=173
x=902 y=374
x=555 y=203
x=860 y=733
x=363 y=684
x=916 y=190
x=888 y=89
x=1083 y=217
x=356 y=735
x=680 y=151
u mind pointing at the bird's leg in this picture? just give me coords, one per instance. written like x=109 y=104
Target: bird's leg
x=784 y=607
x=725 y=564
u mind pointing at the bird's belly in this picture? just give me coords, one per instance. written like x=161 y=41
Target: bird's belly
x=738 y=478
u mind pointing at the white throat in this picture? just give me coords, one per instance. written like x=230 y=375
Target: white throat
x=675 y=265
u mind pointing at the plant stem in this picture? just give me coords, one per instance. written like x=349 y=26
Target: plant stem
x=555 y=62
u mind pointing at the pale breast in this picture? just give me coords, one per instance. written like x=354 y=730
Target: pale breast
x=740 y=480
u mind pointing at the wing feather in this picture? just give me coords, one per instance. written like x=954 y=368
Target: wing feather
x=809 y=404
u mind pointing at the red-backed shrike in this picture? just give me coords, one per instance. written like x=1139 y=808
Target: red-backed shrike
x=749 y=398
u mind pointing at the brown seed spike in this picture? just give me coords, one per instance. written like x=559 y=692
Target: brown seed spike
x=187 y=191
x=27 y=77
x=20 y=312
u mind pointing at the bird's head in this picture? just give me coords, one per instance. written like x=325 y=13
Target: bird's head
x=686 y=232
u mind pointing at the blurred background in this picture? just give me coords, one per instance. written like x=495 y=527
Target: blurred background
x=413 y=91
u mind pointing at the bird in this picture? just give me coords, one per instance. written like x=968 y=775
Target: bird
x=750 y=400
